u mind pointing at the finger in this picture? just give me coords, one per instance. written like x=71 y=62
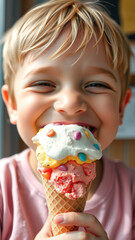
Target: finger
x=89 y=222
x=76 y=235
x=46 y=231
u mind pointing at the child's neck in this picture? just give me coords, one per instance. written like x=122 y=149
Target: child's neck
x=99 y=173
x=95 y=184
x=33 y=164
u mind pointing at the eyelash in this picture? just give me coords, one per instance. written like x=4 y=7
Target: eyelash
x=43 y=86
x=43 y=83
x=97 y=85
x=46 y=86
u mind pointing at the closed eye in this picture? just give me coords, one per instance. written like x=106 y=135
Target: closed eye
x=96 y=87
x=43 y=83
x=97 y=84
x=43 y=86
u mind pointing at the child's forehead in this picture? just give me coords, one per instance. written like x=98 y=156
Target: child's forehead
x=92 y=47
x=87 y=59
x=62 y=39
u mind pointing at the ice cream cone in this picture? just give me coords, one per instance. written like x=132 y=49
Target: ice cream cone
x=58 y=203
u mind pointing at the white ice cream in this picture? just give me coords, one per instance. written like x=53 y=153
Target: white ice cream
x=68 y=140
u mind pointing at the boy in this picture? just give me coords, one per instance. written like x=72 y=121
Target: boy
x=66 y=62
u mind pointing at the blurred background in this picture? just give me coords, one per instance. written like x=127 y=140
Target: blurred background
x=123 y=147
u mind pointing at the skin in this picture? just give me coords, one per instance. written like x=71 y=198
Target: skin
x=69 y=89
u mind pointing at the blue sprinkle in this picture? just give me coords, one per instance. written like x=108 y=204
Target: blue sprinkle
x=96 y=146
x=82 y=157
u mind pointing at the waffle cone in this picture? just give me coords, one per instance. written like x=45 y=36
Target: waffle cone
x=58 y=203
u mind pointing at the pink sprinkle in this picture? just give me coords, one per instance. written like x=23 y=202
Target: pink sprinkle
x=62 y=167
x=77 y=135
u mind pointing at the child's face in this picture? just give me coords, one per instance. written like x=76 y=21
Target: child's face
x=57 y=90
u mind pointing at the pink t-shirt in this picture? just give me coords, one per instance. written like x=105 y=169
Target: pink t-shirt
x=23 y=208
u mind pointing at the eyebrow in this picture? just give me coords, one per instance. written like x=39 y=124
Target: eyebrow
x=51 y=69
x=39 y=71
x=102 y=71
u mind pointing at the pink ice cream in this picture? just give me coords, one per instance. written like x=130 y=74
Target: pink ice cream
x=73 y=181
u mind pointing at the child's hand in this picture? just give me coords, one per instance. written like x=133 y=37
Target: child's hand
x=93 y=228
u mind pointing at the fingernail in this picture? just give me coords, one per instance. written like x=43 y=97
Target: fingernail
x=59 y=219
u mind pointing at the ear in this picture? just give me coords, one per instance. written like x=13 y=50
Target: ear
x=124 y=103
x=10 y=104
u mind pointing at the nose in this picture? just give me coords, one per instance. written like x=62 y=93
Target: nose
x=70 y=103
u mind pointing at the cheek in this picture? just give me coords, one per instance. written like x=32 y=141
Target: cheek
x=26 y=127
x=108 y=109
x=108 y=113
x=31 y=108
x=28 y=110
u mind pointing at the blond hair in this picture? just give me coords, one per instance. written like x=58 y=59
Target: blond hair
x=37 y=30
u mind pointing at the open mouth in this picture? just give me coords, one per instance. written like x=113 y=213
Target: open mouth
x=90 y=128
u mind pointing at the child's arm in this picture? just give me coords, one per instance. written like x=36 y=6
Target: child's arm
x=93 y=228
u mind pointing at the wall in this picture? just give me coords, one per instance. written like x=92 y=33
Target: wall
x=123 y=150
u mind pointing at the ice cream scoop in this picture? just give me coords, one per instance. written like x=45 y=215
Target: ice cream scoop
x=58 y=144
x=73 y=181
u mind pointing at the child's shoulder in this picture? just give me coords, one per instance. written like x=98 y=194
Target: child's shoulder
x=124 y=168
x=7 y=164
x=121 y=170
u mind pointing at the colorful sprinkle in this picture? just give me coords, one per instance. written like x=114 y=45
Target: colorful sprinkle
x=40 y=129
x=47 y=174
x=87 y=134
x=51 y=133
x=77 y=135
x=62 y=167
x=96 y=146
x=82 y=157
